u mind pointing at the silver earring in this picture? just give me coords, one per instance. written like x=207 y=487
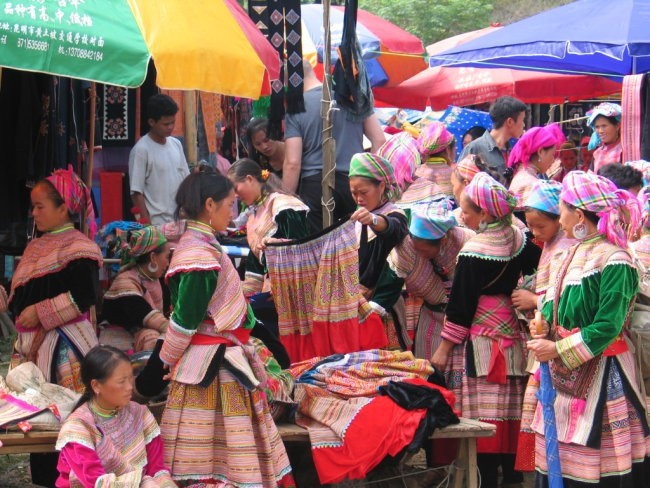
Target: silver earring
x=152 y=267
x=579 y=231
x=482 y=226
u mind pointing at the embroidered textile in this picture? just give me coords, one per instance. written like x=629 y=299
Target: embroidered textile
x=316 y=290
x=120 y=441
x=496 y=243
x=631 y=116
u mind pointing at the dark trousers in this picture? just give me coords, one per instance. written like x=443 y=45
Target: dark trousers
x=311 y=193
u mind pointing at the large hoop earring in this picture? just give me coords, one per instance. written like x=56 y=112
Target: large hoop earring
x=579 y=231
x=152 y=267
x=482 y=226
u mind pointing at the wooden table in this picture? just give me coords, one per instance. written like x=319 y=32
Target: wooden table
x=467 y=431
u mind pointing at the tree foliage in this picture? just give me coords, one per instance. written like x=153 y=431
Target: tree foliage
x=432 y=20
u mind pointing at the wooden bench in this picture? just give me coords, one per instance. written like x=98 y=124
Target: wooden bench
x=467 y=431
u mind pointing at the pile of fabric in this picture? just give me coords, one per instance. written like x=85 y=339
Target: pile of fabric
x=364 y=406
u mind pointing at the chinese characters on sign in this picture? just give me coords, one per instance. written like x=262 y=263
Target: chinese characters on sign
x=59 y=26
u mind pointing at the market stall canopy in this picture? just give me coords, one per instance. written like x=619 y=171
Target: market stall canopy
x=587 y=37
x=208 y=45
x=442 y=86
x=391 y=54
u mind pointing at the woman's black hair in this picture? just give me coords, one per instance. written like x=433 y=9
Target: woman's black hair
x=589 y=215
x=99 y=364
x=196 y=189
x=475 y=132
x=253 y=127
x=244 y=167
x=546 y=214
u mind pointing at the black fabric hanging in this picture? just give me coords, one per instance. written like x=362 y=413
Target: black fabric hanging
x=351 y=85
x=276 y=37
x=293 y=46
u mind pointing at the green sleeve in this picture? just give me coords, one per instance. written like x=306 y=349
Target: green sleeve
x=388 y=289
x=619 y=284
x=190 y=293
x=292 y=224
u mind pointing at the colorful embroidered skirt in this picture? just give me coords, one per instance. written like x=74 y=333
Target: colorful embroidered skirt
x=620 y=445
x=223 y=435
x=315 y=284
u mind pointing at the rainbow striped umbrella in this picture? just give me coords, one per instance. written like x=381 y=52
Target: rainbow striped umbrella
x=208 y=45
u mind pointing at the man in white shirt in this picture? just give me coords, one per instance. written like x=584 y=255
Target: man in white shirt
x=157 y=164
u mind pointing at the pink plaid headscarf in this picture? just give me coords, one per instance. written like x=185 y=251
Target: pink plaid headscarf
x=491 y=196
x=467 y=168
x=76 y=195
x=402 y=152
x=434 y=139
x=619 y=212
x=533 y=140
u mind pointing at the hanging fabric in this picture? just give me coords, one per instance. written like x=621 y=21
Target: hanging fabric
x=315 y=283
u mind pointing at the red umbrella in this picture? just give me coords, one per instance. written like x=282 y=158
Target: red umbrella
x=441 y=86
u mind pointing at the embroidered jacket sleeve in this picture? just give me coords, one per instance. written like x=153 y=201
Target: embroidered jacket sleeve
x=191 y=293
x=612 y=296
x=81 y=278
x=128 y=311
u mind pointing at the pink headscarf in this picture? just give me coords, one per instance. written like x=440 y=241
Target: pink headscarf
x=619 y=211
x=533 y=140
x=76 y=196
x=402 y=152
x=434 y=139
x=491 y=196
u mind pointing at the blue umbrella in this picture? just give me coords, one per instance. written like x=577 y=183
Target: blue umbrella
x=588 y=36
x=546 y=396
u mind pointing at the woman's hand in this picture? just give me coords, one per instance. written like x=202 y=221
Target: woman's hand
x=524 y=299
x=539 y=328
x=28 y=318
x=543 y=349
x=364 y=216
x=440 y=358
x=261 y=247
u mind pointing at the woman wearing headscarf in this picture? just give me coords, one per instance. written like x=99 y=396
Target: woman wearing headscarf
x=425 y=264
x=133 y=305
x=437 y=147
x=530 y=159
x=402 y=152
x=380 y=225
x=489 y=385
x=54 y=290
x=605 y=120
x=600 y=414
x=56 y=282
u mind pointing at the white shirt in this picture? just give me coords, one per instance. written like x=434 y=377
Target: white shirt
x=156 y=170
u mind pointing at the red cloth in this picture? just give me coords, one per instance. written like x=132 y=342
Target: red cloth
x=110 y=185
x=366 y=445
x=207 y=340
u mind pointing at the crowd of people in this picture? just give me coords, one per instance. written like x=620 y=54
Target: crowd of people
x=487 y=267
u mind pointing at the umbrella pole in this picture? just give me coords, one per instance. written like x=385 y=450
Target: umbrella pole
x=189 y=109
x=91 y=144
x=329 y=145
